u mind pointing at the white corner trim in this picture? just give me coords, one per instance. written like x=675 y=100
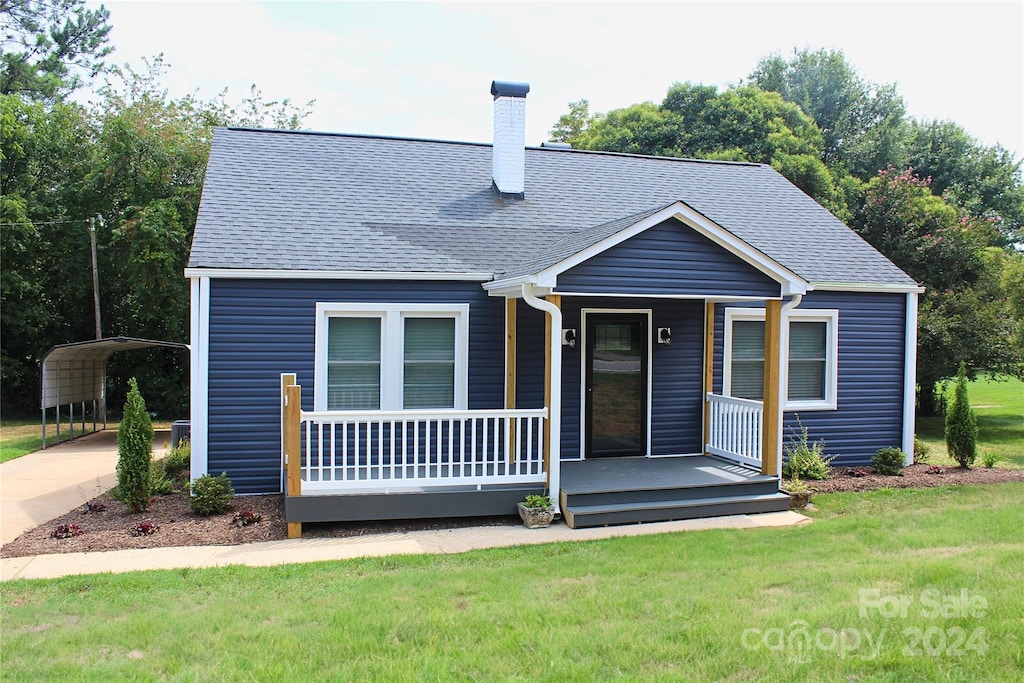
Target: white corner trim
x=199 y=333
x=392 y=339
x=909 y=377
x=271 y=274
x=791 y=282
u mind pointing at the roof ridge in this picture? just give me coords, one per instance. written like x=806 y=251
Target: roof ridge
x=540 y=148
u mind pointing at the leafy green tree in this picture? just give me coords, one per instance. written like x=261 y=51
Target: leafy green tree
x=697 y=121
x=571 y=126
x=137 y=157
x=46 y=44
x=985 y=181
x=961 y=424
x=863 y=124
x=134 y=451
x=964 y=313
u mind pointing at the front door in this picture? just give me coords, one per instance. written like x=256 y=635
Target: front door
x=616 y=384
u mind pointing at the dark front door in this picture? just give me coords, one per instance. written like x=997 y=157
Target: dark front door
x=616 y=383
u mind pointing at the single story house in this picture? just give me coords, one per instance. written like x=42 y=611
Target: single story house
x=393 y=328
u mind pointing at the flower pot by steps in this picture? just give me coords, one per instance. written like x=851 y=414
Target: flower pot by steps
x=535 y=518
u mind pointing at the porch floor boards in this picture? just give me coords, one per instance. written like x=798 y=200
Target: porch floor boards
x=600 y=492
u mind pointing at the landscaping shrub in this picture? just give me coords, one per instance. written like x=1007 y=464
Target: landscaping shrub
x=889 y=461
x=805 y=460
x=961 y=425
x=245 y=518
x=178 y=459
x=922 y=452
x=159 y=484
x=211 y=495
x=134 y=451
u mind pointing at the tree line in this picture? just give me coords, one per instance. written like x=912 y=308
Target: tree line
x=942 y=206
x=131 y=155
x=945 y=208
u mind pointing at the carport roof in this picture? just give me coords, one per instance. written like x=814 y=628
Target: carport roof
x=76 y=372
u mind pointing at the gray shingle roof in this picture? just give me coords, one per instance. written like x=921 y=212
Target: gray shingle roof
x=281 y=200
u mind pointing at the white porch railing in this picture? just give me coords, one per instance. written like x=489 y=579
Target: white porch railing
x=411 y=449
x=735 y=429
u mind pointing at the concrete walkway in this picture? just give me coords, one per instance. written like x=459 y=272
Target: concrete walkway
x=39 y=486
x=46 y=484
x=319 y=550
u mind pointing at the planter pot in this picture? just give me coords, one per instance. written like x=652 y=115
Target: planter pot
x=535 y=518
x=798 y=499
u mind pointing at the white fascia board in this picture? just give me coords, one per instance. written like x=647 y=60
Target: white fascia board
x=263 y=274
x=686 y=297
x=790 y=281
x=866 y=287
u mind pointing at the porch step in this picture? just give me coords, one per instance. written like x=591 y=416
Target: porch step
x=600 y=495
x=579 y=516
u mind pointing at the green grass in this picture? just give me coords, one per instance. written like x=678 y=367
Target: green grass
x=999 y=407
x=686 y=606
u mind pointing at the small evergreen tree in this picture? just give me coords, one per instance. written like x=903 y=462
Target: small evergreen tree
x=134 y=451
x=961 y=425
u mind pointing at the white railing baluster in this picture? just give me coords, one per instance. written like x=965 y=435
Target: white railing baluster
x=735 y=429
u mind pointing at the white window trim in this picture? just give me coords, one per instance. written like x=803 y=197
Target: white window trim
x=829 y=316
x=392 y=339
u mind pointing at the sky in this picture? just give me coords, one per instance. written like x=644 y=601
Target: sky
x=423 y=69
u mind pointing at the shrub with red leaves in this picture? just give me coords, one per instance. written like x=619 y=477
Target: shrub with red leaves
x=144 y=529
x=66 y=531
x=245 y=518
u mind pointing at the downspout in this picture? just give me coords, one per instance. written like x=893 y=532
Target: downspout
x=555 y=407
x=787 y=306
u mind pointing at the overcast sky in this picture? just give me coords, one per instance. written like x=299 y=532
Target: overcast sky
x=423 y=69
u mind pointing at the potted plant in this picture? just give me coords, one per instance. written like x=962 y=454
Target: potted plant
x=536 y=511
x=799 y=493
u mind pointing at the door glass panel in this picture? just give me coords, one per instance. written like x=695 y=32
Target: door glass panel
x=618 y=388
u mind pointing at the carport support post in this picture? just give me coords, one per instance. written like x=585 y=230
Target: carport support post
x=772 y=425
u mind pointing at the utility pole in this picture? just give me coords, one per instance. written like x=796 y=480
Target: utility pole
x=95 y=273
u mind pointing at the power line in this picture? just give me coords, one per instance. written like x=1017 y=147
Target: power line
x=35 y=223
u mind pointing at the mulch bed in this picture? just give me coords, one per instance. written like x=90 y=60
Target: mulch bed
x=915 y=476
x=111 y=527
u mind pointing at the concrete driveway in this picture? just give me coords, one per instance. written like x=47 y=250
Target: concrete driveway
x=39 y=486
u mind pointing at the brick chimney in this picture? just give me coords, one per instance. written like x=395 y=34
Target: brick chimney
x=509 y=153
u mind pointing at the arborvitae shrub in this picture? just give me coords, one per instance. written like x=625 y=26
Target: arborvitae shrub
x=134 y=451
x=961 y=425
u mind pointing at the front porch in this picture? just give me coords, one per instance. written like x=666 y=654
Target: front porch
x=375 y=465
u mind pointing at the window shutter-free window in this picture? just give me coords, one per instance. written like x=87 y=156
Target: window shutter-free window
x=807 y=360
x=429 y=363
x=748 y=359
x=353 y=363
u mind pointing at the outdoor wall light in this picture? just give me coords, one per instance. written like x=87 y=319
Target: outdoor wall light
x=569 y=337
x=664 y=335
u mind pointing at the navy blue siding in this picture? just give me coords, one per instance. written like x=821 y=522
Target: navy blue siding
x=669 y=258
x=262 y=328
x=871 y=357
x=677 y=375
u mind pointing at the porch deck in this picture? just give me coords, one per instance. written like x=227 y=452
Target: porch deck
x=605 y=491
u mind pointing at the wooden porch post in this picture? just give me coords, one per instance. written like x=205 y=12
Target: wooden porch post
x=555 y=299
x=709 y=365
x=291 y=425
x=772 y=405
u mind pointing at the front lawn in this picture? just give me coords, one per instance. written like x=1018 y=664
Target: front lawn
x=999 y=407
x=915 y=585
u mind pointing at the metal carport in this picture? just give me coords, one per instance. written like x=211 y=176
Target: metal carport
x=77 y=373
